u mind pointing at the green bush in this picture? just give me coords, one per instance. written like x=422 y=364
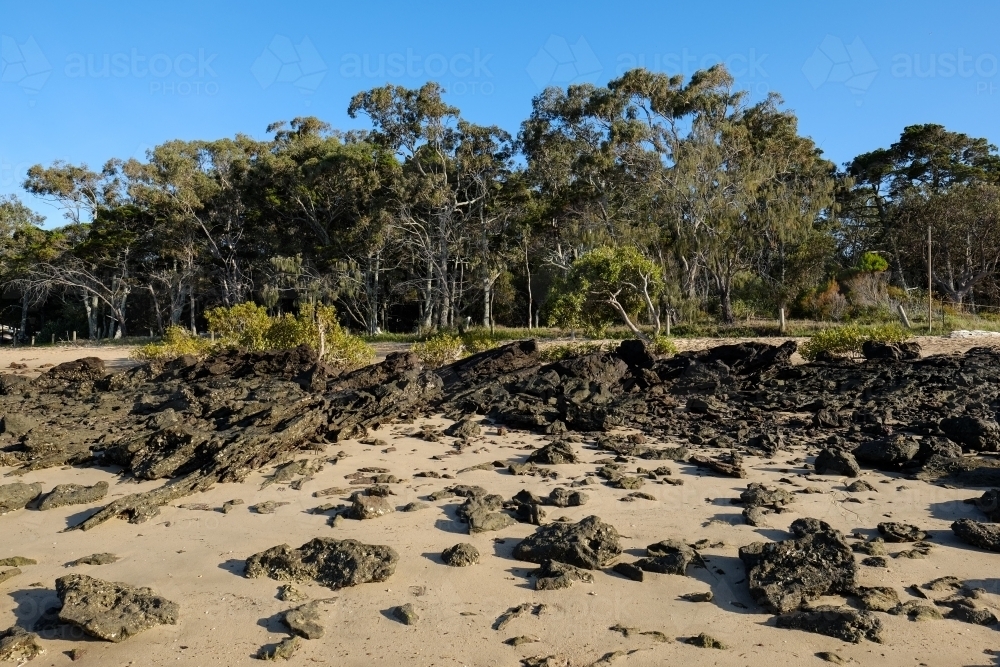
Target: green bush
x=849 y=339
x=440 y=349
x=561 y=351
x=248 y=326
x=664 y=345
x=177 y=341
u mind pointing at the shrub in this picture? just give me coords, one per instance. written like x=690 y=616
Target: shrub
x=872 y=262
x=440 y=349
x=177 y=341
x=561 y=351
x=849 y=339
x=244 y=325
x=664 y=345
x=828 y=304
x=479 y=340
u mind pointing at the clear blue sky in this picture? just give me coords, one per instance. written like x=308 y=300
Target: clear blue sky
x=87 y=81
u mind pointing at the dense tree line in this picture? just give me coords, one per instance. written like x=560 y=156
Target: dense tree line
x=649 y=201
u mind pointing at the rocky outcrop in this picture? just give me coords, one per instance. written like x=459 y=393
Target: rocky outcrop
x=109 y=610
x=331 y=563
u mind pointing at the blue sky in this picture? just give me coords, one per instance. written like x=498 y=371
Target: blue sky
x=87 y=81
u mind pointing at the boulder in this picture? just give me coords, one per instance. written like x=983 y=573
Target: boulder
x=553 y=575
x=109 y=610
x=329 y=562
x=892 y=531
x=554 y=453
x=17 y=495
x=975 y=433
x=836 y=462
x=667 y=557
x=73 y=494
x=462 y=554
x=783 y=575
x=562 y=497
x=304 y=621
x=590 y=544
x=904 y=351
x=982 y=535
x=844 y=623
x=890 y=452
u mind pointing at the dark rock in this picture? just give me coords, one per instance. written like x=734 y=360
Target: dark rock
x=406 y=614
x=667 y=557
x=554 y=453
x=783 y=575
x=629 y=571
x=364 y=507
x=860 y=486
x=590 y=544
x=904 y=351
x=982 y=535
x=878 y=598
x=230 y=505
x=901 y=532
x=836 y=462
x=331 y=563
x=109 y=610
x=94 y=559
x=462 y=554
x=758 y=495
x=17 y=495
x=875 y=561
x=808 y=526
x=73 y=494
x=843 y=623
x=466 y=428
x=415 y=506
x=87 y=369
x=562 y=497
x=972 y=432
x=304 y=621
x=989 y=504
x=284 y=650
x=553 y=575
x=887 y=453
x=707 y=596
x=289 y=593
x=705 y=641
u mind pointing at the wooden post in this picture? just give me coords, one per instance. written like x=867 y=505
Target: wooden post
x=782 y=326
x=903 y=317
x=930 y=284
x=74 y=336
x=32 y=341
x=53 y=339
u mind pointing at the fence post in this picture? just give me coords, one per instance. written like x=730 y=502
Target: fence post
x=32 y=341
x=782 y=327
x=74 y=336
x=53 y=339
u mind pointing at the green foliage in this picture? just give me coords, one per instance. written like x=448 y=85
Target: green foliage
x=177 y=342
x=480 y=339
x=872 y=262
x=249 y=327
x=664 y=345
x=559 y=351
x=440 y=349
x=604 y=286
x=848 y=339
x=244 y=325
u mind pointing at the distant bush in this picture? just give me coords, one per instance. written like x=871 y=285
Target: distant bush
x=561 y=351
x=872 y=262
x=248 y=326
x=848 y=339
x=440 y=349
x=479 y=340
x=826 y=304
x=177 y=341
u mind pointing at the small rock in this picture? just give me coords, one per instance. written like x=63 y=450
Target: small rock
x=462 y=554
x=590 y=544
x=111 y=611
x=9 y=574
x=901 y=532
x=982 y=535
x=630 y=571
x=406 y=614
x=230 y=505
x=289 y=593
x=283 y=651
x=707 y=596
x=415 y=506
x=553 y=575
x=304 y=621
x=18 y=645
x=843 y=623
x=94 y=559
x=17 y=561
x=73 y=494
x=705 y=641
x=267 y=507
x=830 y=656
x=522 y=639
x=16 y=496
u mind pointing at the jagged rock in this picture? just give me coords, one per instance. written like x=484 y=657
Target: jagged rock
x=878 y=598
x=730 y=468
x=627 y=483
x=284 y=650
x=917 y=611
x=553 y=575
x=989 y=504
x=304 y=621
x=109 y=610
x=807 y=526
x=875 y=547
x=87 y=369
x=948 y=583
x=94 y=559
x=73 y=494
x=17 y=561
x=888 y=453
x=756 y=516
x=331 y=563
x=860 y=486
x=758 y=495
x=892 y=531
x=406 y=614
x=843 y=623
x=415 y=506
x=230 y=505
x=562 y=497
x=667 y=557
x=983 y=535
x=268 y=506
x=590 y=544
x=903 y=351
x=462 y=554
x=630 y=571
x=836 y=462
x=17 y=495
x=965 y=610
x=467 y=427
x=705 y=641
x=875 y=561
x=18 y=645
x=973 y=432
x=554 y=453
x=783 y=575
x=365 y=507
x=289 y=593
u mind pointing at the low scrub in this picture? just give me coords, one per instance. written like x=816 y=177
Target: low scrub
x=848 y=339
x=248 y=326
x=440 y=349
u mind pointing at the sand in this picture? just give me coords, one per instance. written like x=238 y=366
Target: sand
x=196 y=558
